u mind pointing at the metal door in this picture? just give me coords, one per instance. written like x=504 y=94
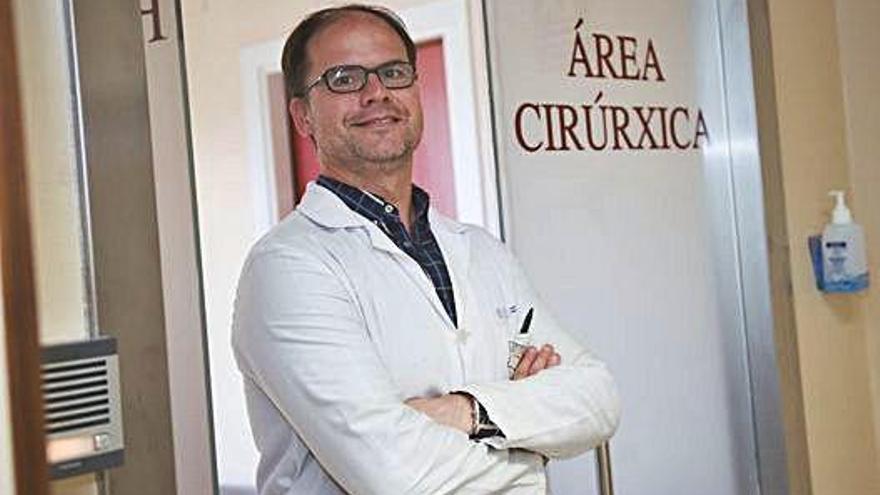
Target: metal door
x=637 y=241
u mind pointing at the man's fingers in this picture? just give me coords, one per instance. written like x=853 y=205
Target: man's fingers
x=534 y=360
x=525 y=362
x=417 y=403
x=541 y=360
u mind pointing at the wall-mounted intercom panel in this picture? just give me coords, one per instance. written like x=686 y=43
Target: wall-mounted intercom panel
x=83 y=407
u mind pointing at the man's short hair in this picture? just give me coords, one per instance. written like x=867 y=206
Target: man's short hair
x=294 y=60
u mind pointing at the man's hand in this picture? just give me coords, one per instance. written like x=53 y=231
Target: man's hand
x=534 y=360
x=456 y=410
x=453 y=410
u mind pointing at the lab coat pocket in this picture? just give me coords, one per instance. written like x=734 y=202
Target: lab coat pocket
x=519 y=338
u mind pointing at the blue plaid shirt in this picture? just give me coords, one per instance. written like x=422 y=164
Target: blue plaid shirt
x=420 y=245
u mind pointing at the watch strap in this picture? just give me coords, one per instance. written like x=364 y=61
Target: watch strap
x=483 y=426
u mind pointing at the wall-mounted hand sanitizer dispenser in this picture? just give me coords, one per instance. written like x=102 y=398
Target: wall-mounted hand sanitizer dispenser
x=838 y=255
x=843 y=250
x=82 y=406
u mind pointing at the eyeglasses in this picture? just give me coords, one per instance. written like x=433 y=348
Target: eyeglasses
x=351 y=78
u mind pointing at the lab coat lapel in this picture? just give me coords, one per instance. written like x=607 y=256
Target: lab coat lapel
x=456 y=252
x=452 y=243
x=324 y=207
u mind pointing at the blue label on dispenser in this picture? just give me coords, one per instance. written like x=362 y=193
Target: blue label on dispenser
x=853 y=284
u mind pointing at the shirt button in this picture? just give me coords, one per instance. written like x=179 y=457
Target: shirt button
x=389 y=209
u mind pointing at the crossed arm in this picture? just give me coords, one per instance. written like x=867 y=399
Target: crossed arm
x=305 y=346
x=456 y=410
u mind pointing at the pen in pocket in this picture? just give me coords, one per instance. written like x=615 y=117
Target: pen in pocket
x=519 y=343
x=527 y=322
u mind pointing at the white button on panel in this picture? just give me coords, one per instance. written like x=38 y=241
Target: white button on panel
x=102 y=441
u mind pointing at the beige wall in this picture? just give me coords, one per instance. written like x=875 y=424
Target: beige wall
x=42 y=58
x=817 y=134
x=51 y=169
x=859 y=43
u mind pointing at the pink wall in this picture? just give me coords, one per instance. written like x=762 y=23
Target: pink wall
x=432 y=168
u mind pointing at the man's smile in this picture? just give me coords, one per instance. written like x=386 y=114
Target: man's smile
x=377 y=120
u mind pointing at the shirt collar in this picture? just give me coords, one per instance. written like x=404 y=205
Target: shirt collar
x=327 y=209
x=374 y=207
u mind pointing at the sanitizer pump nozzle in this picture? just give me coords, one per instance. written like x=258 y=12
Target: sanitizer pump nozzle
x=841 y=214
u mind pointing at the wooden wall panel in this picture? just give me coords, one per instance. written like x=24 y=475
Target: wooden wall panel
x=19 y=293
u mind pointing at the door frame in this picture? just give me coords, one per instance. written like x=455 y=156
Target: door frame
x=768 y=303
x=762 y=303
x=19 y=290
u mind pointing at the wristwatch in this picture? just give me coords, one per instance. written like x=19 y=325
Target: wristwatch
x=483 y=427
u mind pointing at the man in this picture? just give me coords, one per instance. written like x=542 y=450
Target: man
x=374 y=334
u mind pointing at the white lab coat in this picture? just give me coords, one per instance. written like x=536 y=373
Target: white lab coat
x=335 y=327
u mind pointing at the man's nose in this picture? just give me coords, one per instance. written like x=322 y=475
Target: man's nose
x=374 y=90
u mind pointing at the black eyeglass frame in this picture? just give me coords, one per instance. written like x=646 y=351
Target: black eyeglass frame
x=375 y=70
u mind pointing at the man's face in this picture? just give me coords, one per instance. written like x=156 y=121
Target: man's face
x=374 y=127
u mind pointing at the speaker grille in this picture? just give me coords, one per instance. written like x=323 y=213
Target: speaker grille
x=77 y=395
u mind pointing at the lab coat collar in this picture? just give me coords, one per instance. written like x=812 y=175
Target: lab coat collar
x=323 y=207
x=326 y=209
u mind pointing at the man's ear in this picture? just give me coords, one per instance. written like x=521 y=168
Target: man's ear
x=299 y=112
